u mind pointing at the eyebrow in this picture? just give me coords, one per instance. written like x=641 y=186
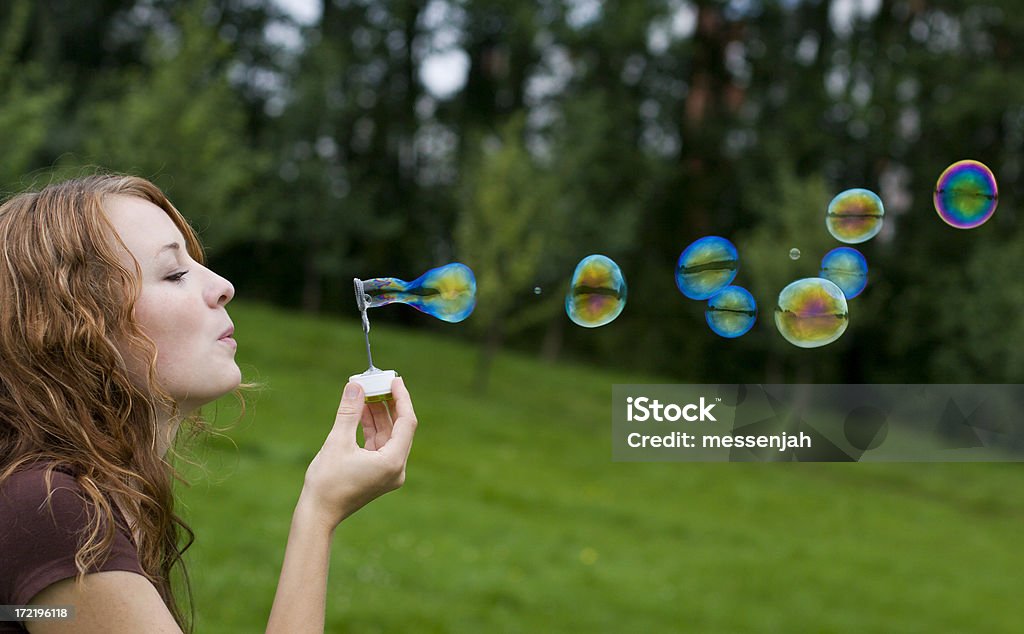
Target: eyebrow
x=172 y=246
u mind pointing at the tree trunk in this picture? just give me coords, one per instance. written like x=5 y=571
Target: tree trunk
x=554 y=337
x=489 y=348
x=312 y=284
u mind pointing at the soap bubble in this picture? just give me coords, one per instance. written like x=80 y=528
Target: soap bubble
x=966 y=194
x=447 y=292
x=706 y=267
x=794 y=254
x=855 y=216
x=811 y=312
x=731 y=312
x=597 y=293
x=847 y=268
x=536 y=290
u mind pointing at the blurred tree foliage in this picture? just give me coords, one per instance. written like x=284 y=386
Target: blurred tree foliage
x=507 y=225
x=353 y=142
x=178 y=122
x=31 y=103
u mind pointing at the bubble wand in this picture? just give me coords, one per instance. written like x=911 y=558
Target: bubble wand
x=447 y=292
x=361 y=298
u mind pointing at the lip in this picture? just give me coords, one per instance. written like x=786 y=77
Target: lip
x=226 y=337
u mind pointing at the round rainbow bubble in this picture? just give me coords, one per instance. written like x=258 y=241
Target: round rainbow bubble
x=847 y=268
x=966 y=194
x=597 y=293
x=706 y=266
x=731 y=312
x=811 y=313
x=447 y=292
x=855 y=216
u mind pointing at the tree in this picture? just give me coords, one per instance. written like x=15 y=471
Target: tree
x=507 y=215
x=182 y=126
x=31 y=103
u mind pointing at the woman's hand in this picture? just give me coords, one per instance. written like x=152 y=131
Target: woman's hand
x=343 y=477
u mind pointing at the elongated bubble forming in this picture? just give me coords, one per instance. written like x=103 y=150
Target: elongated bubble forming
x=966 y=194
x=855 y=216
x=447 y=292
x=731 y=312
x=597 y=293
x=811 y=313
x=847 y=268
x=706 y=266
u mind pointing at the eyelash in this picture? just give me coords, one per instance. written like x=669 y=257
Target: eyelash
x=176 y=277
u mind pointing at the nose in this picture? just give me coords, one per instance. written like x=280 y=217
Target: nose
x=227 y=292
x=221 y=290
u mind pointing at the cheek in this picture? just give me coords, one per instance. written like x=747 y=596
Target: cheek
x=165 y=320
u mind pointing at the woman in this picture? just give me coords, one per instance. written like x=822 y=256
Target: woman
x=112 y=334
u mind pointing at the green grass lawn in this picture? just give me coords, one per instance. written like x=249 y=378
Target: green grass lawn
x=514 y=518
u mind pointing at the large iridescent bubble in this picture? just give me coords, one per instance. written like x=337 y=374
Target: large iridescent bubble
x=447 y=292
x=706 y=267
x=966 y=194
x=811 y=312
x=597 y=293
x=731 y=312
x=847 y=268
x=855 y=216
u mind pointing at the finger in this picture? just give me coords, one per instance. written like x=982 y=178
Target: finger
x=382 y=424
x=350 y=410
x=382 y=417
x=403 y=402
x=404 y=427
x=376 y=426
x=369 y=429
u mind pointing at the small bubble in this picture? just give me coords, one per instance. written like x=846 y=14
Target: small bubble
x=537 y=290
x=597 y=292
x=706 y=266
x=966 y=194
x=855 y=216
x=794 y=254
x=731 y=312
x=812 y=312
x=847 y=268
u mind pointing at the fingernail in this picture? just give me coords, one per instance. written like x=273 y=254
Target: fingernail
x=351 y=391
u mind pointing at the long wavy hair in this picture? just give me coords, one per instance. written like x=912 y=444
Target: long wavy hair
x=67 y=398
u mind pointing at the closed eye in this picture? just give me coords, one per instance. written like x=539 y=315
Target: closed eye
x=176 y=277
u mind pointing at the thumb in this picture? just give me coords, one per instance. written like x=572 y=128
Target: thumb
x=350 y=410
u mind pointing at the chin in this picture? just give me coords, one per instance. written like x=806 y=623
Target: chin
x=229 y=384
x=211 y=389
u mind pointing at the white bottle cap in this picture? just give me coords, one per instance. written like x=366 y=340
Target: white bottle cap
x=376 y=383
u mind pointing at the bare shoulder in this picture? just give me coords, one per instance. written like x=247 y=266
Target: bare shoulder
x=112 y=602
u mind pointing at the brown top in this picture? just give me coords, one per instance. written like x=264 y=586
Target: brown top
x=38 y=546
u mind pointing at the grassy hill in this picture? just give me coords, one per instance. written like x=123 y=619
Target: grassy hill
x=515 y=519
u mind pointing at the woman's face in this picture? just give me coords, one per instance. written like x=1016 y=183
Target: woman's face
x=181 y=306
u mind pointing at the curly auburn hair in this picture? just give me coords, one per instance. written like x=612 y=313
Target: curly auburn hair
x=67 y=398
